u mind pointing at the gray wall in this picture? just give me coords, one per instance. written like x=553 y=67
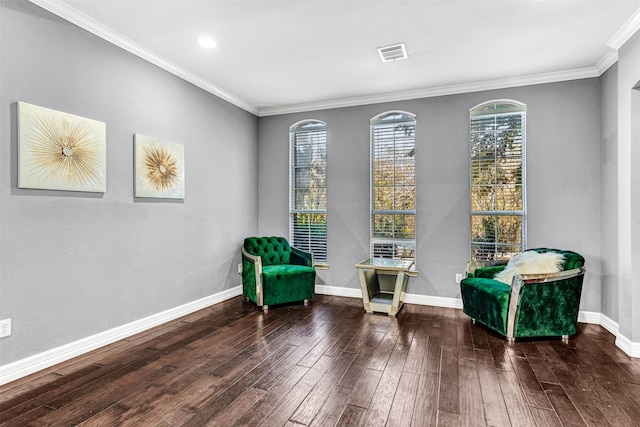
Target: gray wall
x=629 y=188
x=609 y=117
x=76 y=264
x=563 y=181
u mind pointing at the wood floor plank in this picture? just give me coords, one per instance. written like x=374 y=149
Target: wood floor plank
x=550 y=356
x=514 y=399
x=630 y=404
x=365 y=388
x=352 y=416
x=564 y=408
x=500 y=352
x=545 y=417
x=633 y=369
x=616 y=416
x=330 y=363
x=449 y=393
x=281 y=413
x=340 y=344
x=465 y=340
x=333 y=407
x=446 y=419
x=404 y=400
x=237 y=408
x=234 y=389
x=471 y=408
x=416 y=355
x=578 y=392
x=321 y=348
x=493 y=402
x=316 y=398
x=273 y=396
x=592 y=416
x=380 y=405
x=541 y=369
x=383 y=352
x=530 y=384
x=479 y=336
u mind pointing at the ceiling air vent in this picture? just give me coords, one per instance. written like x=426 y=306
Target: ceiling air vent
x=393 y=52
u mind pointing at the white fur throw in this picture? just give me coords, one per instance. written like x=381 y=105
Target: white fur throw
x=531 y=262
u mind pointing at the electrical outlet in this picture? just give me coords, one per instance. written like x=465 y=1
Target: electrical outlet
x=458 y=277
x=240 y=268
x=5 y=328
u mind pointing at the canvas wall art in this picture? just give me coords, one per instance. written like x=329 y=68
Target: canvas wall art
x=60 y=151
x=159 y=168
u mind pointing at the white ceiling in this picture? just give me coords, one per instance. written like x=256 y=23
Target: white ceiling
x=278 y=56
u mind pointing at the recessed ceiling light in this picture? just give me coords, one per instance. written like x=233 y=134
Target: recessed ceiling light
x=393 y=52
x=207 y=43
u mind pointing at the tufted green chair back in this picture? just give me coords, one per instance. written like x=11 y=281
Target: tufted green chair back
x=273 y=250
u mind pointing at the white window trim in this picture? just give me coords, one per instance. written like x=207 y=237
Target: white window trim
x=376 y=120
x=517 y=107
x=318 y=263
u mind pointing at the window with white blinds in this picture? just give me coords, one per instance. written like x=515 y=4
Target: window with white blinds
x=393 y=185
x=498 y=191
x=308 y=206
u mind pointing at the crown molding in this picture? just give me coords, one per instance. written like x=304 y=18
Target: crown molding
x=581 y=73
x=78 y=18
x=625 y=32
x=606 y=62
x=85 y=22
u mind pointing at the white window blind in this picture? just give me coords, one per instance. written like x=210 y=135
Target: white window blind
x=308 y=208
x=393 y=186
x=498 y=192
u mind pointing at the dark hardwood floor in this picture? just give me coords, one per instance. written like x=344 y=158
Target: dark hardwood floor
x=331 y=364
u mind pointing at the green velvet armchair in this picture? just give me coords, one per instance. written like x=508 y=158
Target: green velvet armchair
x=535 y=305
x=273 y=272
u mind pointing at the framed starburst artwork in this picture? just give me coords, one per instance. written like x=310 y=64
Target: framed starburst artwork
x=60 y=151
x=159 y=168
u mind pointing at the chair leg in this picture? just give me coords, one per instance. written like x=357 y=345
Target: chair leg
x=306 y=302
x=511 y=339
x=265 y=308
x=473 y=321
x=565 y=338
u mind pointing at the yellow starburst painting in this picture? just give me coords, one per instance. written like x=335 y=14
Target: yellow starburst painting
x=60 y=151
x=159 y=168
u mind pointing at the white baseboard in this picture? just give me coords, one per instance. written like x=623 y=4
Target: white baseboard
x=590 y=317
x=338 y=291
x=35 y=363
x=629 y=347
x=409 y=298
x=623 y=343
x=435 y=301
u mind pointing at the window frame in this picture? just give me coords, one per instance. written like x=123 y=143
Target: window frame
x=407 y=246
x=319 y=241
x=496 y=109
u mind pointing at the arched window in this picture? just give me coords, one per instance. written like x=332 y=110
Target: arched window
x=308 y=184
x=393 y=185
x=498 y=190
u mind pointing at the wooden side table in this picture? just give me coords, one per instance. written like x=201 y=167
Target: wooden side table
x=383 y=283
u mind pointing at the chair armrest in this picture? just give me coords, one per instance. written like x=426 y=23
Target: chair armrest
x=252 y=273
x=300 y=257
x=552 y=277
x=491 y=268
x=521 y=280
